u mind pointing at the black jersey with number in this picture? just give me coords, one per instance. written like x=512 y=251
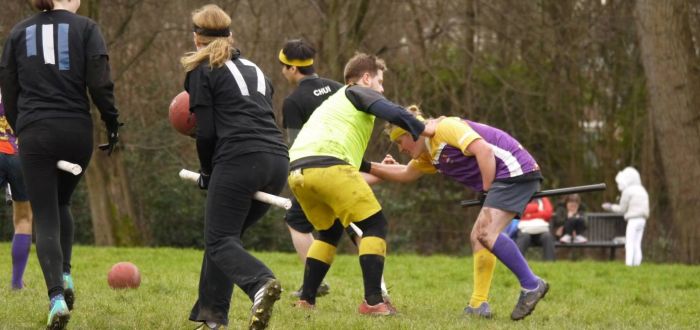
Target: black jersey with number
x=47 y=63
x=233 y=107
x=299 y=105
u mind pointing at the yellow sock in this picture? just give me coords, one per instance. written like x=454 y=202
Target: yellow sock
x=484 y=265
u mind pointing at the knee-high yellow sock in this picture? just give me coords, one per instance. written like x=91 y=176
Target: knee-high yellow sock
x=484 y=265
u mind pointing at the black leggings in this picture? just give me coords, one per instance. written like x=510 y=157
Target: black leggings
x=42 y=144
x=230 y=210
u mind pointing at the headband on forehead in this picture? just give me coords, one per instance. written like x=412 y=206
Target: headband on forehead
x=396 y=132
x=211 y=33
x=283 y=58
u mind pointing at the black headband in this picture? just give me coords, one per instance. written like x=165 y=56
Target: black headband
x=212 y=33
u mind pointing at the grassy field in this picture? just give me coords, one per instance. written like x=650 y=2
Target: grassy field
x=430 y=293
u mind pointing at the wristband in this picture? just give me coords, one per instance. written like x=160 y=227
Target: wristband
x=365 y=166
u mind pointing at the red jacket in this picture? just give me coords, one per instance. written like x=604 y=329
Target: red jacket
x=539 y=208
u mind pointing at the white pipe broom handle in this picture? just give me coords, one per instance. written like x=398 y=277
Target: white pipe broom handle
x=69 y=167
x=264 y=197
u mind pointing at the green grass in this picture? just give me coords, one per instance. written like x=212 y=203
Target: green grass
x=430 y=293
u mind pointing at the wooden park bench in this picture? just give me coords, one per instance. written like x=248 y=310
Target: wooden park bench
x=602 y=229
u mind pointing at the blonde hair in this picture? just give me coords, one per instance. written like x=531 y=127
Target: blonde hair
x=216 y=49
x=394 y=131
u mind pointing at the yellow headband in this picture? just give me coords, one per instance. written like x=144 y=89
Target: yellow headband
x=396 y=131
x=283 y=58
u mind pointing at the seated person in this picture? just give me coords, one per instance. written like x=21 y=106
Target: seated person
x=573 y=221
x=533 y=228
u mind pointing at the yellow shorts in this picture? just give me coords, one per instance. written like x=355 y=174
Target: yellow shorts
x=333 y=192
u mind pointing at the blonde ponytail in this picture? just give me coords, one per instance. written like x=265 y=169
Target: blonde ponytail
x=217 y=52
x=209 y=22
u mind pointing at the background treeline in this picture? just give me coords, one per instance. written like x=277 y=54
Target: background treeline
x=588 y=86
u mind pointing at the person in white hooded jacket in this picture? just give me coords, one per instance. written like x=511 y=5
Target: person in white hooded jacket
x=634 y=204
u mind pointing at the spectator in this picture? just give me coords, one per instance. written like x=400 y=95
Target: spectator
x=634 y=204
x=574 y=225
x=533 y=228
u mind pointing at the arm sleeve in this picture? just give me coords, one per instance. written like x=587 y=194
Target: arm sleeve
x=197 y=85
x=624 y=203
x=98 y=76
x=543 y=210
x=101 y=87
x=456 y=133
x=423 y=165
x=370 y=101
x=9 y=83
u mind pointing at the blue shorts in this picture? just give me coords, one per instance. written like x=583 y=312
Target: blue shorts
x=11 y=172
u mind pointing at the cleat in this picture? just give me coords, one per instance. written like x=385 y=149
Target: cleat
x=265 y=299
x=303 y=304
x=388 y=303
x=528 y=300
x=380 y=309
x=58 y=314
x=483 y=311
x=205 y=326
x=323 y=290
x=68 y=290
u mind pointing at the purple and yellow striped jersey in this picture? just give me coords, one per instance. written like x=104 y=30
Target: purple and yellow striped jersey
x=448 y=154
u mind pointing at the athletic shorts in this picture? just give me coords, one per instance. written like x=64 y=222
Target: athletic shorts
x=511 y=197
x=11 y=172
x=332 y=192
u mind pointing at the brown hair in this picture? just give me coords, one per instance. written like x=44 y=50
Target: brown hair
x=360 y=64
x=573 y=198
x=217 y=49
x=43 y=4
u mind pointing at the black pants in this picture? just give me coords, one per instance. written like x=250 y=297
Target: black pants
x=230 y=210
x=546 y=240
x=42 y=144
x=577 y=225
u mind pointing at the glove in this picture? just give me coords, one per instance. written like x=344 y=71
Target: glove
x=203 y=181
x=112 y=137
x=607 y=206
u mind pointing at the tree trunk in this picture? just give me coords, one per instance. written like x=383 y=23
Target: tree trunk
x=111 y=207
x=667 y=53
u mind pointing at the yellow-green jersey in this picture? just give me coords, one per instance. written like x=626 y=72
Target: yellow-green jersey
x=339 y=130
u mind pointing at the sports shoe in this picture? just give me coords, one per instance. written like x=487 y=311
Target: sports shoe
x=205 y=326
x=580 y=239
x=58 y=314
x=380 y=309
x=264 y=300
x=68 y=290
x=323 y=290
x=387 y=301
x=565 y=239
x=484 y=311
x=528 y=300
x=303 y=304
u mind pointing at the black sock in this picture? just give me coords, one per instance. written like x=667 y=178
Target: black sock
x=372 y=270
x=55 y=291
x=314 y=272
